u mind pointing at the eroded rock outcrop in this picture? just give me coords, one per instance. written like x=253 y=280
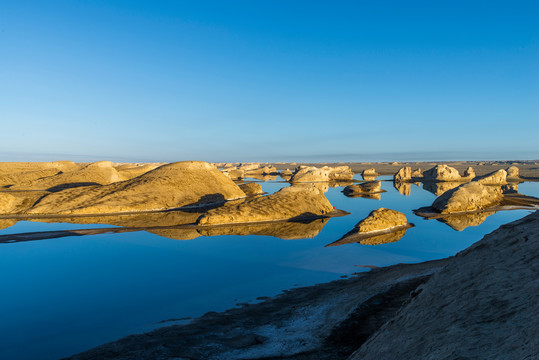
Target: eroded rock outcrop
x=513 y=172
x=417 y=173
x=495 y=178
x=403 y=175
x=287 y=203
x=287 y=172
x=472 y=196
x=188 y=183
x=380 y=220
x=442 y=173
x=251 y=188
x=326 y=173
x=369 y=172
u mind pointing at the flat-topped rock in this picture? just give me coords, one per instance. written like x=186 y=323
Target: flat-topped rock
x=287 y=203
x=369 y=172
x=471 y=196
x=188 y=183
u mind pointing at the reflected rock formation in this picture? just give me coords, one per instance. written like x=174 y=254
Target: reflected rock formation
x=366 y=188
x=389 y=237
x=368 y=177
x=375 y=196
x=262 y=177
x=461 y=222
x=287 y=230
x=5 y=223
x=438 y=188
x=405 y=188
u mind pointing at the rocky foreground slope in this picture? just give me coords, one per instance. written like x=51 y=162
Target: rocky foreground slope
x=479 y=304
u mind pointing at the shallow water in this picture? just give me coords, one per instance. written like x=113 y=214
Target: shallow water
x=65 y=295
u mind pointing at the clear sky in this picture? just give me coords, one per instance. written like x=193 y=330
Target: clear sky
x=269 y=80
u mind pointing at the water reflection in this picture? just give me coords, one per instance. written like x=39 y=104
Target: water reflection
x=363 y=239
x=461 y=222
x=438 y=188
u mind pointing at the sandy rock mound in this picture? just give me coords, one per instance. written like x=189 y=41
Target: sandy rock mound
x=496 y=178
x=251 y=188
x=233 y=173
x=98 y=173
x=513 y=172
x=26 y=176
x=404 y=174
x=381 y=219
x=14 y=202
x=287 y=203
x=472 y=196
x=370 y=187
x=129 y=171
x=16 y=167
x=417 y=173
x=326 y=173
x=188 y=183
x=442 y=173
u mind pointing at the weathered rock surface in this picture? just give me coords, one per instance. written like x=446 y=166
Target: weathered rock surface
x=381 y=219
x=251 y=188
x=471 y=196
x=513 y=172
x=417 y=173
x=188 y=183
x=10 y=179
x=17 y=167
x=233 y=173
x=403 y=175
x=496 y=178
x=266 y=170
x=326 y=173
x=483 y=305
x=442 y=173
x=369 y=187
x=287 y=203
x=130 y=171
x=469 y=173
x=369 y=172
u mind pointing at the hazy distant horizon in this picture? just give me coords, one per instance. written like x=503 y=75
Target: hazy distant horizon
x=329 y=158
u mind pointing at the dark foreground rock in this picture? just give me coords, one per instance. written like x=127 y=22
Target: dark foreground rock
x=480 y=304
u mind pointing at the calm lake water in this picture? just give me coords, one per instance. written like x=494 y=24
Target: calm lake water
x=65 y=295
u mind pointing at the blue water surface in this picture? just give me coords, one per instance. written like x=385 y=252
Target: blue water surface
x=65 y=295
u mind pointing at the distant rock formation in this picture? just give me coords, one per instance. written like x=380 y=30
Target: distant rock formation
x=469 y=173
x=442 y=173
x=233 y=173
x=18 y=167
x=188 y=183
x=326 y=173
x=471 y=196
x=513 y=172
x=495 y=178
x=287 y=203
x=286 y=172
x=369 y=172
x=369 y=187
x=251 y=188
x=417 y=173
x=403 y=175
x=266 y=170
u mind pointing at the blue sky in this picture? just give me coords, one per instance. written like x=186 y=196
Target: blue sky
x=269 y=80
